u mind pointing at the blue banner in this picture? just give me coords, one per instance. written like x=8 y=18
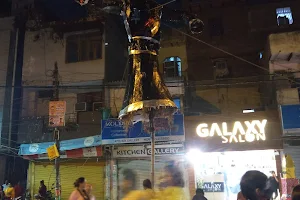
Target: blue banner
x=41 y=148
x=113 y=131
x=290 y=116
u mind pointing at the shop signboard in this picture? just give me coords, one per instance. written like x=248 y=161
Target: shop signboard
x=113 y=131
x=213 y=187
x=290 y=116
x=40 y=148
x=240 y=132
x=52 y=152
x=145 y=151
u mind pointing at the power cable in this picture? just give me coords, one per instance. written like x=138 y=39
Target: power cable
x=226 y=52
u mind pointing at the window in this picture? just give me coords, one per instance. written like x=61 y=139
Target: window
x=261 y=55
x=84 y=47
x=172 y=67
x=284 y=16
x=215 y=26
x=221 y=69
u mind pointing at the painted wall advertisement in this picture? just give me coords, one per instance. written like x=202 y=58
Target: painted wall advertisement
x=113 y=131
x=145 y=150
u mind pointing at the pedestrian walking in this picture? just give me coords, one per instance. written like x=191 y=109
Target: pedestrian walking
x=199 y=195
x=173 y=183
x=255 y=185
x=296 y=193
x=18 y=190
x=148 y=188
x=1 y=193
x=9 y=192
x=5 y=185
x=274 y=184
x=128 y=187
x=79 y=192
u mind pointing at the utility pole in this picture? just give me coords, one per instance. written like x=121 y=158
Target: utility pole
x=152 y=133
x=55 y=77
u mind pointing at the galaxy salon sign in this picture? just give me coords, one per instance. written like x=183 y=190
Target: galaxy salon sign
x=241 y=131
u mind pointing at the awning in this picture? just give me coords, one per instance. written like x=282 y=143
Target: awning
x=66 y=145
x=75 y=153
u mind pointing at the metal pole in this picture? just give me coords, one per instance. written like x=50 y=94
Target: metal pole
x=152 y=132
x=57 y=177
x=56 y=133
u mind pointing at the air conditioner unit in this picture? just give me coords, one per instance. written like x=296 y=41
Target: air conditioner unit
x=97 y=106
x=80 y=107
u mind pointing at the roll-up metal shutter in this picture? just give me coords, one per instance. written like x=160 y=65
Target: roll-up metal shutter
x=69 y=172
x=142 y=169
x=294 y=151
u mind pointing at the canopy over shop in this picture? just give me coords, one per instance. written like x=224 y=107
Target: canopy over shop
x=81 y=158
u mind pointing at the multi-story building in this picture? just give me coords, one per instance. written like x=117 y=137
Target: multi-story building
x=91 y=60
x=5 y=57
x=11 y=33
x=234 y=81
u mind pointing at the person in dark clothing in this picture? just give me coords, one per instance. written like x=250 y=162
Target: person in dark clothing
x=199 y=195
x=255 y=185
x=43 y=189
x=147 y=184
x=296 y=193
x=1 y=193
x=274 y=184
x=18 y=190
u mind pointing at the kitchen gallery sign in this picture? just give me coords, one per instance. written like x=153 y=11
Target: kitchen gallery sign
x=240 y=132
x=145 y=150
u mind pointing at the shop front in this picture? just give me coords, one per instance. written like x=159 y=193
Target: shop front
x=138 y=159
x=79 y=158
x=222 y=148
x=132 y=150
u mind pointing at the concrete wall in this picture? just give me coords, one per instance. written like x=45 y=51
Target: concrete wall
x=245 y=33
x=40 y=56
x=34 y=106
x=232 y=100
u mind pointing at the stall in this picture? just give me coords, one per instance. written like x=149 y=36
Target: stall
x=131 y=149
x=79 y=158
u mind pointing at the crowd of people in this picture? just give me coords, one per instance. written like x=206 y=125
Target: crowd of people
x=254 y=185
x=8 y=191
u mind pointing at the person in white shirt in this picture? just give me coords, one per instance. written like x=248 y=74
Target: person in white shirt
x=5 y=185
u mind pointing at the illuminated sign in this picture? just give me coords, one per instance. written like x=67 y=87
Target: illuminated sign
x=247 y=131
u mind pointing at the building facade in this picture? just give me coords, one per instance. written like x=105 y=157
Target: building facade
x=5 y=36
x=238 y=68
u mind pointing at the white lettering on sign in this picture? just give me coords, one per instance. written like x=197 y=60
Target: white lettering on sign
x=248 y=131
